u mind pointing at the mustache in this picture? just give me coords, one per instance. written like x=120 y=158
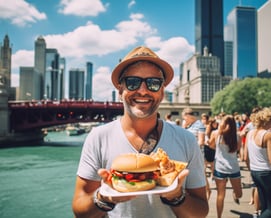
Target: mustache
x=142 y=96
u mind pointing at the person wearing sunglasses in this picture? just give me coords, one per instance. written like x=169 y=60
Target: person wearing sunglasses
x=140 y=78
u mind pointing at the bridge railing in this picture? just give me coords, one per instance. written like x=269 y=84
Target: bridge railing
x=25 y=116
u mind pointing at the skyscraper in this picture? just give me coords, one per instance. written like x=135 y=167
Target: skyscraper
x=28 y=84
x=62 y=77
x=242 y=22
x=76 y=84
x=89 y=80
x=50 y=68
x=5 y=55
x=52 y=75
x=39 y=64
x=200 y=79
x=209 y=28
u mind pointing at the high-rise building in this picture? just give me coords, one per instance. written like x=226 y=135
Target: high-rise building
x=200 y=79
x=242 y=22
x=264 y=37
x=52 y=80
x=89 y=80
x=228 y=58
x=28 y=84
x=5 y=55
x=228 y=51
x=209 y=28
x=50 y=67
x=5 y=67
x=4 y=111
x=76 y=84
x=62 y=77
x=39 y=64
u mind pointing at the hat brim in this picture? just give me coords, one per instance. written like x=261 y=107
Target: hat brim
x=165 y=67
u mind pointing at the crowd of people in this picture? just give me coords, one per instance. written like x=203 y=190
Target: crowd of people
x=217 y=142
x=229 y=140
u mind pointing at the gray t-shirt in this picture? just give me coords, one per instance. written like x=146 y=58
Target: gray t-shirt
x=106 y=142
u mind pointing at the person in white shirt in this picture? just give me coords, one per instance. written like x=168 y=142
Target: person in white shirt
x=141 y=78
x=258 y=157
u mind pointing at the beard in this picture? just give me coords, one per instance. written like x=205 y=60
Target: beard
x=141 y=110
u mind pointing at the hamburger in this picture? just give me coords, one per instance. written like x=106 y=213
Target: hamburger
x=134 y=172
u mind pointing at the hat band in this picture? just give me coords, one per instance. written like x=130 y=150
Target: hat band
x=136 y=62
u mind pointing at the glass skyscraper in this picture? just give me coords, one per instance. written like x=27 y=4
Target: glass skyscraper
x=88 y=94
x=52 y=80
x=39 y=65
x=242 y=22
x=209 y=28
x=76 y=84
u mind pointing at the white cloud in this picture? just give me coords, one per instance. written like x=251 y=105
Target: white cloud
x=15 y=80
x=19 y=59
x=92 y=40
x=175 y=50
x=20 y=12
x=22 y=58
x=131 y=3
x=102 y=83
x=85 y=42
x=81 y=7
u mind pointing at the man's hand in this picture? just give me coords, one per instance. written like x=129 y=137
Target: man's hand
x=106 y=178
x=177 y=192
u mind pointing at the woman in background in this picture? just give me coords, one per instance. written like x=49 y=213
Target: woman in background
x=209 y=153
x=258 y=157
x=227 y=143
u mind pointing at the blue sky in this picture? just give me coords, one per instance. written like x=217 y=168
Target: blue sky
x=102 y=32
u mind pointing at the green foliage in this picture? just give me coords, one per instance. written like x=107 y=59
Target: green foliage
x=242 y=96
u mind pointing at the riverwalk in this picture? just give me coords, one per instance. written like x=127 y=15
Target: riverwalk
x=231 y=209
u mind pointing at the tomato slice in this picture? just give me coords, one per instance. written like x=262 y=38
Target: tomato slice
x=129 y=176
x=155 y=176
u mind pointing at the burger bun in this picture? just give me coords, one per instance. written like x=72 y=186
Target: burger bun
x=134 y=163
x=124 y=186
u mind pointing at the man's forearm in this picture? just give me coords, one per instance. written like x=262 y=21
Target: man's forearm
x=192 y=207
x=84 y=207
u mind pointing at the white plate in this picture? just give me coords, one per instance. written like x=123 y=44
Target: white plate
x=106 y=190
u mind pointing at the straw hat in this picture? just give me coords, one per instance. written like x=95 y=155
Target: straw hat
x=142 y=54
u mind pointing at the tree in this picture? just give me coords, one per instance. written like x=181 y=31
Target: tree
x=242 y=96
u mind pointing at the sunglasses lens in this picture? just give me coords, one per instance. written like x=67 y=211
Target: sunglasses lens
x=153 y=84
x=132 y=83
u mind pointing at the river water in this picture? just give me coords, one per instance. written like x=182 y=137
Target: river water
x=38 y=181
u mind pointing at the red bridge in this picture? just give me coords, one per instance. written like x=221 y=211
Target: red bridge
x=26 y=116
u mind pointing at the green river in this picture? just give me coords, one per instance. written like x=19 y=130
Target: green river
x=38 y=181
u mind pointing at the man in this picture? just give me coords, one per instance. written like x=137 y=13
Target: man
x=140 y=79
x=194 y=125
x=198 y=129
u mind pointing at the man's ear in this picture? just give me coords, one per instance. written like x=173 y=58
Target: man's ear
x=120 y=88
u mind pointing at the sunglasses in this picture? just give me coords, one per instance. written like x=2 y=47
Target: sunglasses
x=133 y=83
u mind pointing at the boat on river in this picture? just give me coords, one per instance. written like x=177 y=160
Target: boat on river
x=73 y=130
